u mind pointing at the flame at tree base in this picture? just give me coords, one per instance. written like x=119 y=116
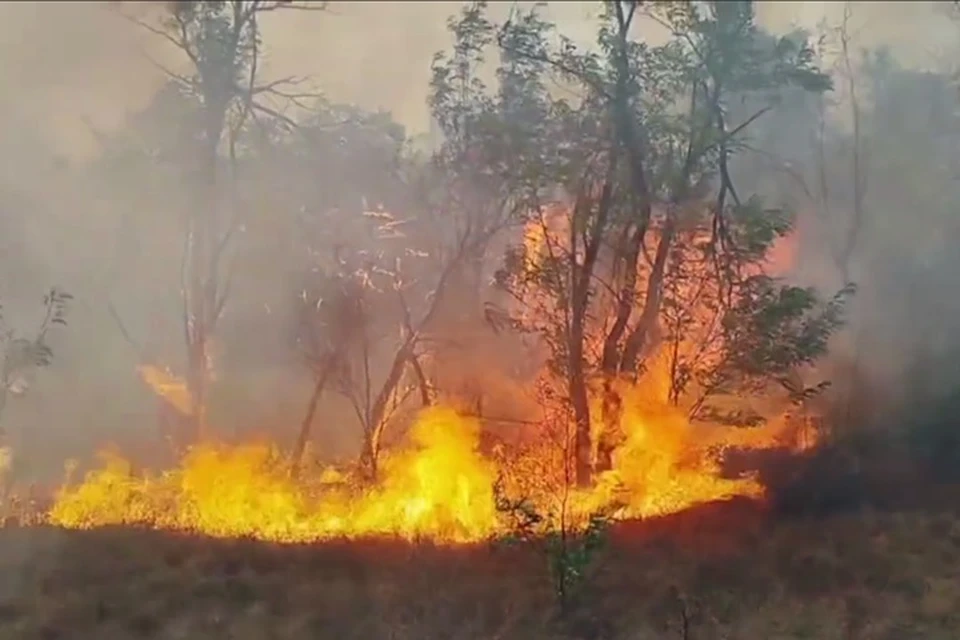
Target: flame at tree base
x=439 y=487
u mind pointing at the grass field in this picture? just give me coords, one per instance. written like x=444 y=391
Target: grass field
x=719 y=572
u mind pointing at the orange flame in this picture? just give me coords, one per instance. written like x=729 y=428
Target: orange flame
x=438 y=486
x=167 y=386
x=666 y=464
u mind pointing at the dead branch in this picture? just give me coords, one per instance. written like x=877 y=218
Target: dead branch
x=179 y=41
x=273 y=113
x=425 y=394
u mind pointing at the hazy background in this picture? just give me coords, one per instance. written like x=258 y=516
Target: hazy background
x=69 y=63
x=72 y=71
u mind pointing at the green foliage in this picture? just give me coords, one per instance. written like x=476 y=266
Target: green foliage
x=570 y=550
x=754 y=228
x=771 y=332
x=676 y=96
x=774 y=328
x=493 y=140
x=571 y=557
x=646 y=243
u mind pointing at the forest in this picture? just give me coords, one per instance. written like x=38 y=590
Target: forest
x=648 y=334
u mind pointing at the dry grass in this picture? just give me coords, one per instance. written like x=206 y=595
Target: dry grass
x=721 y=572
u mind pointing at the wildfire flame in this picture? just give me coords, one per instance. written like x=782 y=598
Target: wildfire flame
x=439 y=486
x=666 y=464
x=167 y=386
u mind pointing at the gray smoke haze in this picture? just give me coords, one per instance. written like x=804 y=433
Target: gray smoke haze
x=71 y=72
x=76 y=62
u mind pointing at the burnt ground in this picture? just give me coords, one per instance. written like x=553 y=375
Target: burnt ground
x=721 y=572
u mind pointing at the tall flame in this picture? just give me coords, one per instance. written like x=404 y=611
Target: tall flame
x=439 y=485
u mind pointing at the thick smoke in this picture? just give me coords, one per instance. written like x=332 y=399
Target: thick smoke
x=76 y=74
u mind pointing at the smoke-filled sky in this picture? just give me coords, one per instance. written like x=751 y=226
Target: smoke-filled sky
x=64 y=65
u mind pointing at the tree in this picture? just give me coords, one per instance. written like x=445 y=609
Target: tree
x=221 y=42
x=633 y=163
x=840 y=207
x=390 y=235
x=339 y=159
x=417 y=261
x=22 y=354
x=847 y=230
x=19 y=357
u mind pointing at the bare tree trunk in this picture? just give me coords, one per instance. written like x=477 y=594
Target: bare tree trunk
x=303 y=437
x=854 y=230
x=637 y=339
x=370 y=457
x=197 y=382
x=201 y=306
x=377 y=421
x=612 y=409
x=576 y=376
x=377 y=418
x=628 y=253
x=426 y=398
x=577 y=387
x=859 y=178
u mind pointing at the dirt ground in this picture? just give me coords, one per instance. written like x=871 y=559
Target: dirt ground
x=722 y=573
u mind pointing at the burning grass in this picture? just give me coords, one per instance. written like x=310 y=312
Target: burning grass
x=438 y=486
x=699 y=563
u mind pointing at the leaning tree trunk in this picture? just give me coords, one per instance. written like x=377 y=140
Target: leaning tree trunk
x=378 y=418
x=197 y=382
x=370 y=456
x=303 y=437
